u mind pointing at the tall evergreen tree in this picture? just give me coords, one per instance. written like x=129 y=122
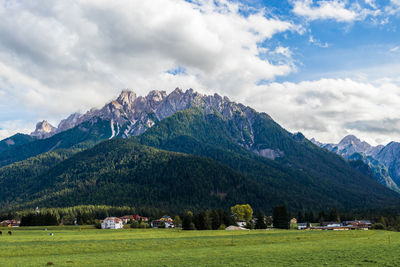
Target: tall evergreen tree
x=300 y=216
x=309 y=216
x=334 y=215
x=280 y=217
x=216 y=220
x=260 y=223
x=187 y=222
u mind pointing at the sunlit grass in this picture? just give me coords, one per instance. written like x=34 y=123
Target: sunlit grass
x=168 y=247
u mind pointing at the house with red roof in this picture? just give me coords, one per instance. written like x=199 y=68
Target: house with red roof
x=112 y=223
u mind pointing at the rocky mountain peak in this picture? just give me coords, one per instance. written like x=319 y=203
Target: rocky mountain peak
x=44 y=130
x=126 y=98
x=315 y=142
x=383 y=160
x=177 y=91
x=350 y=144
x=348 y=139
x=68 y=122
x=131 y=115
x=155 y=97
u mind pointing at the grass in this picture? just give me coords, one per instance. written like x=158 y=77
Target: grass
x=167 y=247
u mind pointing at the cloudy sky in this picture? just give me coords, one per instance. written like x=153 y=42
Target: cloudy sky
x=325 y=68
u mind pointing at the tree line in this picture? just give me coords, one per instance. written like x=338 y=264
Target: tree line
x=212 y=219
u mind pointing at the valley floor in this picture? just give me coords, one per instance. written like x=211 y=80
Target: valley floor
x=70 y=246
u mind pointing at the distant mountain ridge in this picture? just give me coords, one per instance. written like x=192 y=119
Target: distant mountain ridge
x=123 y=149
x=383 y=160
x=131 y=115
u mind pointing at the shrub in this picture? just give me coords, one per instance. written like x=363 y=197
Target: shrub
x=192 y=226
x=378 y=226
x=222 y=227
x=134 y=224
x=97 y=224
x=143 y=225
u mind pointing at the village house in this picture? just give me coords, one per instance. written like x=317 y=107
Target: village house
x=362 y=225
x=10 y=223
x=112 y=223
x=331 y=224
x=137 y=217
x=127 y=218
x=241 y=223
x=165 y=220
x=302 y=226
x=346 y=225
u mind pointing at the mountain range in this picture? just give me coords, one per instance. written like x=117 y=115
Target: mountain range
x=181 y=151
x=383 y=160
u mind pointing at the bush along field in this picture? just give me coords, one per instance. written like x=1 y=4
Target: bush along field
x=75 y=246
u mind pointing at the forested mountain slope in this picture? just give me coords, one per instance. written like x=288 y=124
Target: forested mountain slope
x=228 y=154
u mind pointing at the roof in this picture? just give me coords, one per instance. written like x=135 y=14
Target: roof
x=10 y=221
x=232 y=227
x=126 y=217
x=115 y=219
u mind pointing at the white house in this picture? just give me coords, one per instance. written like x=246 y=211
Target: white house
x=112 y=223
x=334 y=224
x=158 y=223
x=302 y=226
x=241 y=223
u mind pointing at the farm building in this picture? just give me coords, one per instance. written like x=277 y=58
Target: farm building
x=331 y=224
x=241 y=223
x=302 y=226
x=10 y=223
x=232 y=227
x=112 y=223
x=125 y=219
x=137 y=217
x=165 y=220
x=363 y=224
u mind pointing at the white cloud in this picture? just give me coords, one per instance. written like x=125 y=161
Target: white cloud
x=285 y=51
x=11 y=127
x=316 y=42
x=395 y=49
x=57 y=57
x=395 y=2
x=393 y=8
x=371 y=3
x=60 y=56
x=329 y=109
x=338 y=10
x=335 y=10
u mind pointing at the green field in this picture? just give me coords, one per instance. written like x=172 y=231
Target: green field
x=167 y=247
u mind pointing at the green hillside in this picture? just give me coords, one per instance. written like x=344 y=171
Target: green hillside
x=84 y=135
x=15 y=141
x=304 y=172
x=212 y=170
x=120 y=172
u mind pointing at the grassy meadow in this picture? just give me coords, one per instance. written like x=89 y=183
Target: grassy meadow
x=70 y=246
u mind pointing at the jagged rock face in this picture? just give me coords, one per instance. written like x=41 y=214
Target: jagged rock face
x=390 y=157
x=349 y=145
x=383 y=160
x=132 y=115
x=44 y=130
x=69 y=122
